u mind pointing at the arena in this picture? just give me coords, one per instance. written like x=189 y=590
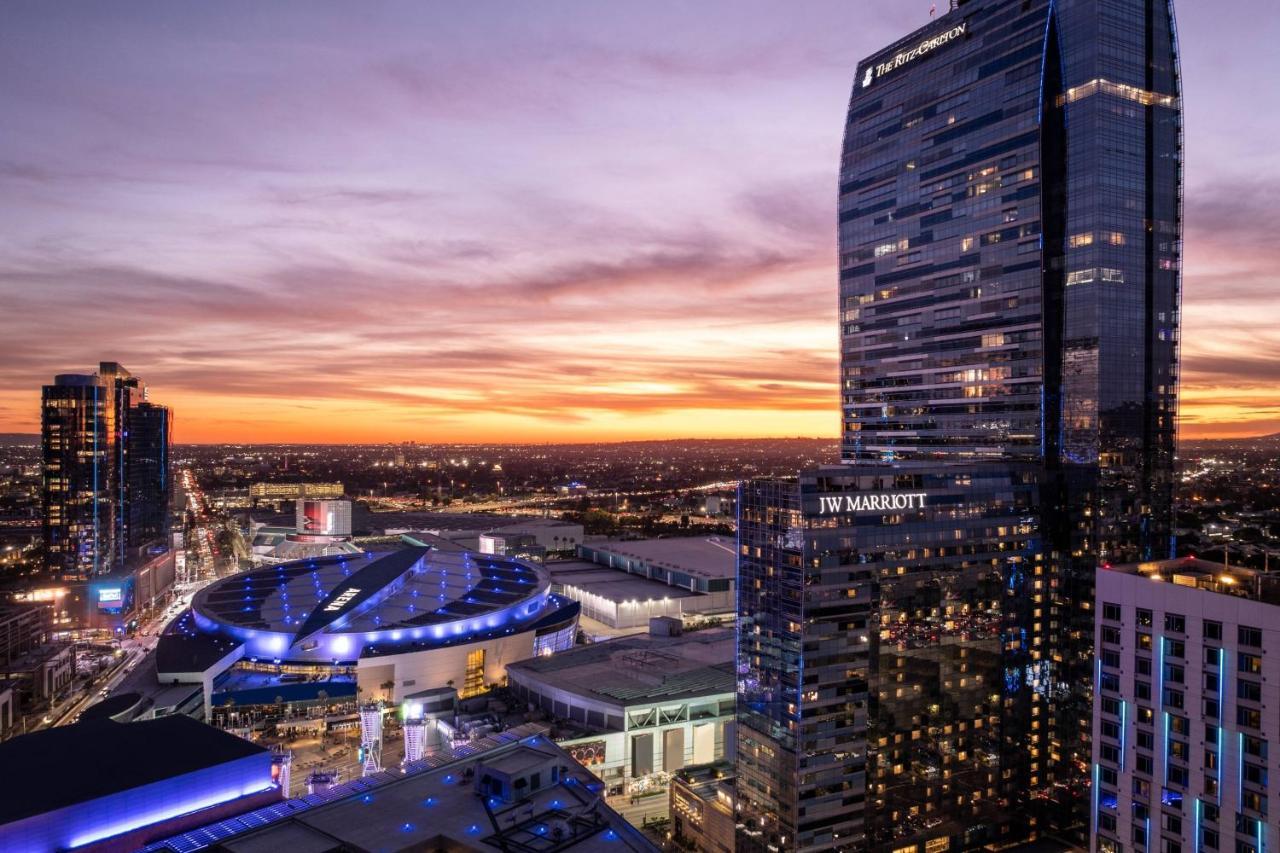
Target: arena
x=400 y=622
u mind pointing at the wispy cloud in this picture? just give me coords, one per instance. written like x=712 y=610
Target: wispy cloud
x=574 y=221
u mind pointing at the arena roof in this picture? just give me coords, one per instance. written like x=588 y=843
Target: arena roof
x=369 y=592
x=335 y=608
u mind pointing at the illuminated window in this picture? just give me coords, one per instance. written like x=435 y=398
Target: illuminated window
x=1120 y=90
x=473 y=681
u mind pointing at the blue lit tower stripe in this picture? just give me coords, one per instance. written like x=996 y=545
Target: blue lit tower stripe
x=1240 y=763
x=1222 y=714
x=1096 y=797
x=1165 y=748
x=1124 y=723
x=1164 y=743
x=1196 y=846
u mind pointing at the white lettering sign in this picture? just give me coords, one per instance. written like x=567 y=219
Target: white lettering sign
x=894 y=502
x=338 y=602
x=927 y=46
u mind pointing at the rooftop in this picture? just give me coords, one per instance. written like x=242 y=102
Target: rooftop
x=1208 y=576
x=611 y=584
x=641 y=668
x=62 y=766
x=410 y=588
x=701 y=556
x=434 y=806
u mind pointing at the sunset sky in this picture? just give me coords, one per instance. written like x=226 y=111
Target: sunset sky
x=513 y=221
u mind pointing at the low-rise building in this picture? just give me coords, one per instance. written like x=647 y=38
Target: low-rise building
x=620 y=600
x=37 y=668
x=702 y=811
x=43 y=672
x=548 y=533
x=637 y=709
x=280 y=492
x=702 y=564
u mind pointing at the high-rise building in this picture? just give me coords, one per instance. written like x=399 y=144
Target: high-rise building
x=915 y=651
x=106 y=470
x=147 y=465
x=1185 y=708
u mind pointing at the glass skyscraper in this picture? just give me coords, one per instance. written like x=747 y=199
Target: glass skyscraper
x=106 y=484
x=916 y=628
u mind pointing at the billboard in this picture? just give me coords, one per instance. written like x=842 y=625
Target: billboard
x=587 y=754
x=324 y=518
x=113 y=598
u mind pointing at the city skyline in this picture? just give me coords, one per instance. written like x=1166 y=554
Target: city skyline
x=564 y=227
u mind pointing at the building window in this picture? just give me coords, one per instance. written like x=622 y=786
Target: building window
x=1175 y=622
x=1212 y=630
x=1249 y=663
x=1251 y=637
x=1111 y=612
x=473 y=681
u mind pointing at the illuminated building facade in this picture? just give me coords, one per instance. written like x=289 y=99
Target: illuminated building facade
x=1184 y=709
x=403 y=621
x=106 y=467
x=100 y=786
x=1010 y=251
x=885 y=688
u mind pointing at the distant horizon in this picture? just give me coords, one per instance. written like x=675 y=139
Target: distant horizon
x=835 y=440
x=319 y=222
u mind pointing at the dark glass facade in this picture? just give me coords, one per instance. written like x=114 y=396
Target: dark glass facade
x=888 y=659
x=149 y=491
x=1009 y=232
x=106 y=485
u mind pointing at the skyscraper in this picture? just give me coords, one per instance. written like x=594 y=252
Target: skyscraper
x=106 y=470
x=915 y=645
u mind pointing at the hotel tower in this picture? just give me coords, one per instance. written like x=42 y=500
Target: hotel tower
x=915 y=661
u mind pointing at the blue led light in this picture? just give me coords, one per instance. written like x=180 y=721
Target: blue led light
x=174 y=808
